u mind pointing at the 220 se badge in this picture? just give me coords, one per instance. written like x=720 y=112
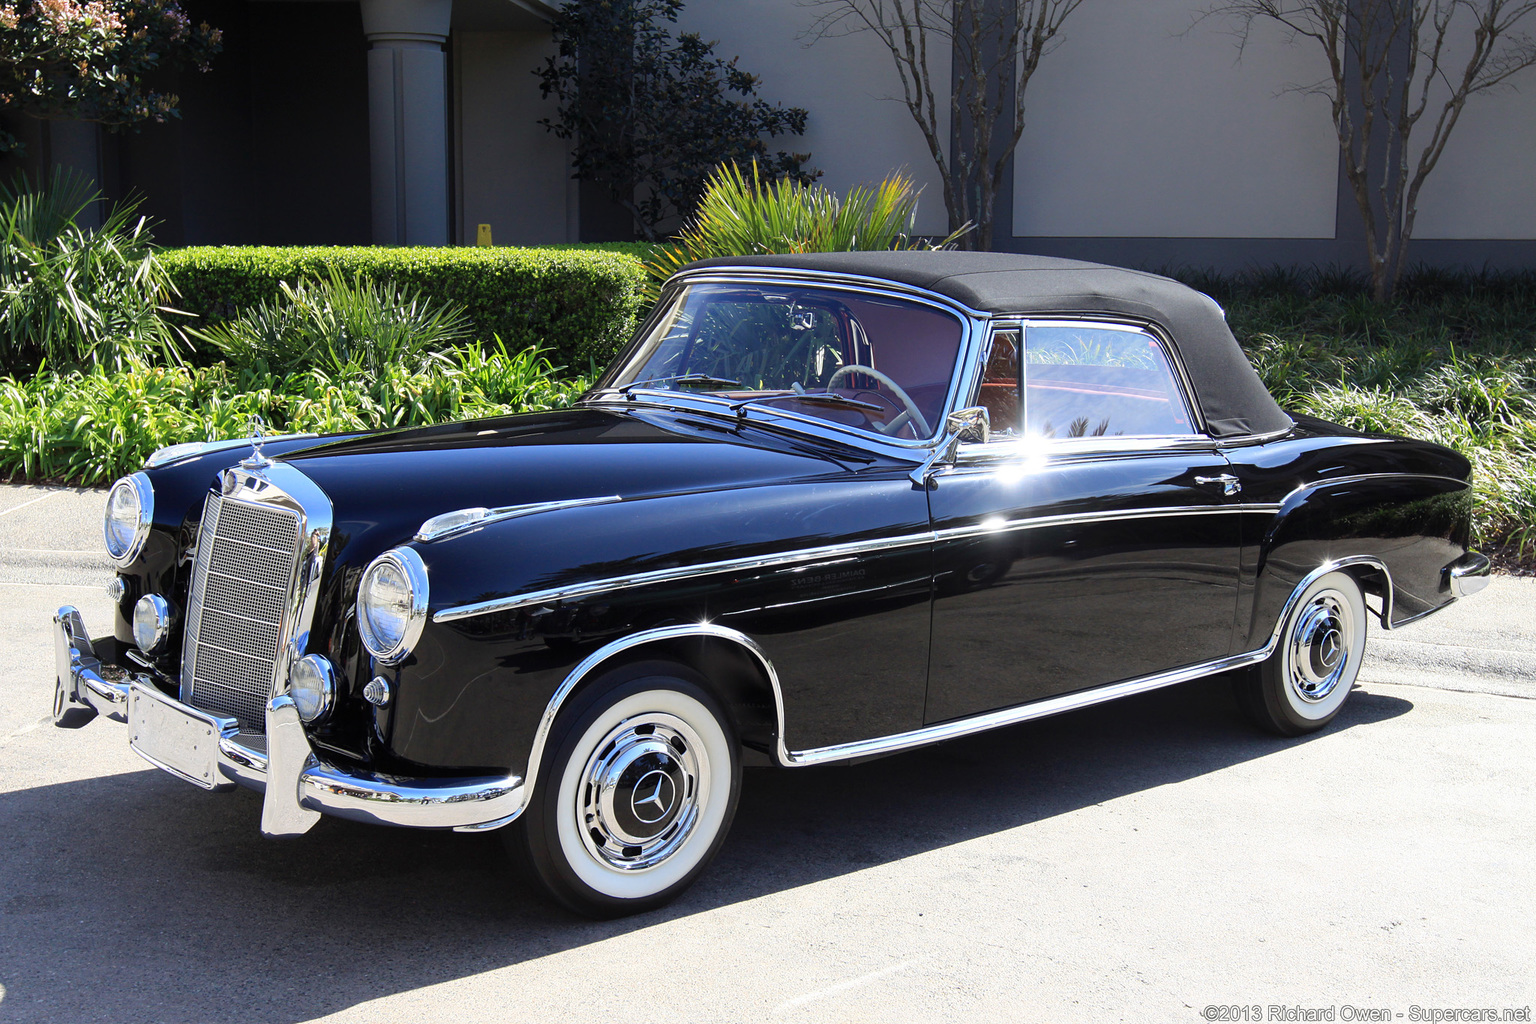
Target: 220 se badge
x=822 y=507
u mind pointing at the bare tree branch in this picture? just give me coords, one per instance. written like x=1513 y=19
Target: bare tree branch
x=996 y=46
x=1388 y=69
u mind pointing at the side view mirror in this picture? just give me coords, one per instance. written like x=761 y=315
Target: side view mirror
x=972 y=425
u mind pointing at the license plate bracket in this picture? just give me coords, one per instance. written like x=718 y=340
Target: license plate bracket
x=176 y=738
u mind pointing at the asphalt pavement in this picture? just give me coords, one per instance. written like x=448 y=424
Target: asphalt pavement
x=1153 y=859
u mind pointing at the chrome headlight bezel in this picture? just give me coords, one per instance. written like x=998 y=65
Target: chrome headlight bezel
x=392 y=651
x=143 y=493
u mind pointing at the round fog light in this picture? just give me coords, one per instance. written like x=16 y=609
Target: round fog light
x=312 y=685
x=151 y=622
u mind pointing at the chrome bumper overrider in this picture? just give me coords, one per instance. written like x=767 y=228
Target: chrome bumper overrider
x=299 y=786
x=1468 y=574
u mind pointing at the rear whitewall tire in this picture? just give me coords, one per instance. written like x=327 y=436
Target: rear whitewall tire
x=1304 y=683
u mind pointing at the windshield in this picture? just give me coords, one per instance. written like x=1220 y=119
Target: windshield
x=871 y=363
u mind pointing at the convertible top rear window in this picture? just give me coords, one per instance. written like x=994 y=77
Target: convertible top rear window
x=862 y=361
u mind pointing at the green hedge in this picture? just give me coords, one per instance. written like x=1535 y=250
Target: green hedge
x=580 y=304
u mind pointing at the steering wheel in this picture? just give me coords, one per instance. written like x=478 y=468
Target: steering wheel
x=910 y=406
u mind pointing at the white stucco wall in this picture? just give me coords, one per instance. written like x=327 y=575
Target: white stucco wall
x=1143 y=123
x=512 y=173
x=1485 y=183
x=859 y=131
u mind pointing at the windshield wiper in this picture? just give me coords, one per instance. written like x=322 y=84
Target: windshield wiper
x=816 y=397
x=692 y=380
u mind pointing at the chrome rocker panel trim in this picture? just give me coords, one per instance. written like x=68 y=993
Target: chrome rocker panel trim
x=286 y=763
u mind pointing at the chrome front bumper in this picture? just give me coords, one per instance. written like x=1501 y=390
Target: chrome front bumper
x=299 y=786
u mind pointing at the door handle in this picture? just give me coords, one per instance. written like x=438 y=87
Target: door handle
x=1229 y=483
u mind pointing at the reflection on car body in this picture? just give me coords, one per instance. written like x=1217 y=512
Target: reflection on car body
x=822 y=508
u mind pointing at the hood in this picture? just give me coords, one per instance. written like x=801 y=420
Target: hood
x=384 y=486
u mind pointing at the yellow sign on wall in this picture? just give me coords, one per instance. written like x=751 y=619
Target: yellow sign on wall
x=483 y=235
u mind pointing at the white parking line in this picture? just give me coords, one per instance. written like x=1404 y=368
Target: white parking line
x=34 y=501
x=842 y=986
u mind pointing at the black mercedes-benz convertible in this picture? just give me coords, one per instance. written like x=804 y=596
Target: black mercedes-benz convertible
x=823 y=507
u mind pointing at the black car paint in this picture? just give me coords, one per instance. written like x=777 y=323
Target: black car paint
x=850 y=638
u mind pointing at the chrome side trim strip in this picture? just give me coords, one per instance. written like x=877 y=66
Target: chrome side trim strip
x=918 y=737
x=576 y=591
x=1363 y=477
x=1022 y=713
x=640 y=579
x=428 y=532
x=1036 y=522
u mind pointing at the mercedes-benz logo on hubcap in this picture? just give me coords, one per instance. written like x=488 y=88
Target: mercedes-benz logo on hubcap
x=1330 y=648
x=652 y=796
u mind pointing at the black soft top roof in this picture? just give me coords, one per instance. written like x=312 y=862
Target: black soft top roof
x=1230 y=394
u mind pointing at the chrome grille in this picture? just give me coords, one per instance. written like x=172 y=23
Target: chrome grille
x=242 y=584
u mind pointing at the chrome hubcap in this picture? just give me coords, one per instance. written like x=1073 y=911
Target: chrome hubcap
x=641 y=791
x=1320 y=647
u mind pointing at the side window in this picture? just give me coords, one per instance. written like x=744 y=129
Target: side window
x=1085 y=381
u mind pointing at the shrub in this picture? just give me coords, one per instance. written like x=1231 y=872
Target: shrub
x=579 y=304
x=738 y=217
x=92 y=426
x=76 y=296
x=337 y=324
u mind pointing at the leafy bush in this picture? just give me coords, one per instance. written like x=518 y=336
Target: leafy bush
x=92 y=426
x=337 y=324
x=579 y=303
x=75 y=296
x=738 y=217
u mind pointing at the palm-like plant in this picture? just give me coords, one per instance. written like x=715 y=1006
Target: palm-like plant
x=341 y=325
x=742 y=216
x=75 y=296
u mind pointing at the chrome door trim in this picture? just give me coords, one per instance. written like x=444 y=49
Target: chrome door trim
x=1000 y=525
x=592 y=588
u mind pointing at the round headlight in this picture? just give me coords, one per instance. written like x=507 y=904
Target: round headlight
x=151 y=622
x=312 y=685
x=130 y=507
x=392 y=604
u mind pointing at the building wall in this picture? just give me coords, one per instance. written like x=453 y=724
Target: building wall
x=1144 y=124
x=859 y=130
x=1484 y=186
x=511 y=172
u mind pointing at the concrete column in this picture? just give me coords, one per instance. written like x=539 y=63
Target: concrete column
x=408 y=119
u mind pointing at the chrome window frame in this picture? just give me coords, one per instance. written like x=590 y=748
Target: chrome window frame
x=1003 y=448
x=961 y=382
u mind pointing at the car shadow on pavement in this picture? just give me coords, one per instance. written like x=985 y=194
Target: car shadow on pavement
x=137 y=896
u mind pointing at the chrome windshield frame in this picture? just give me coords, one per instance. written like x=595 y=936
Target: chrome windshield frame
x=962 y=378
